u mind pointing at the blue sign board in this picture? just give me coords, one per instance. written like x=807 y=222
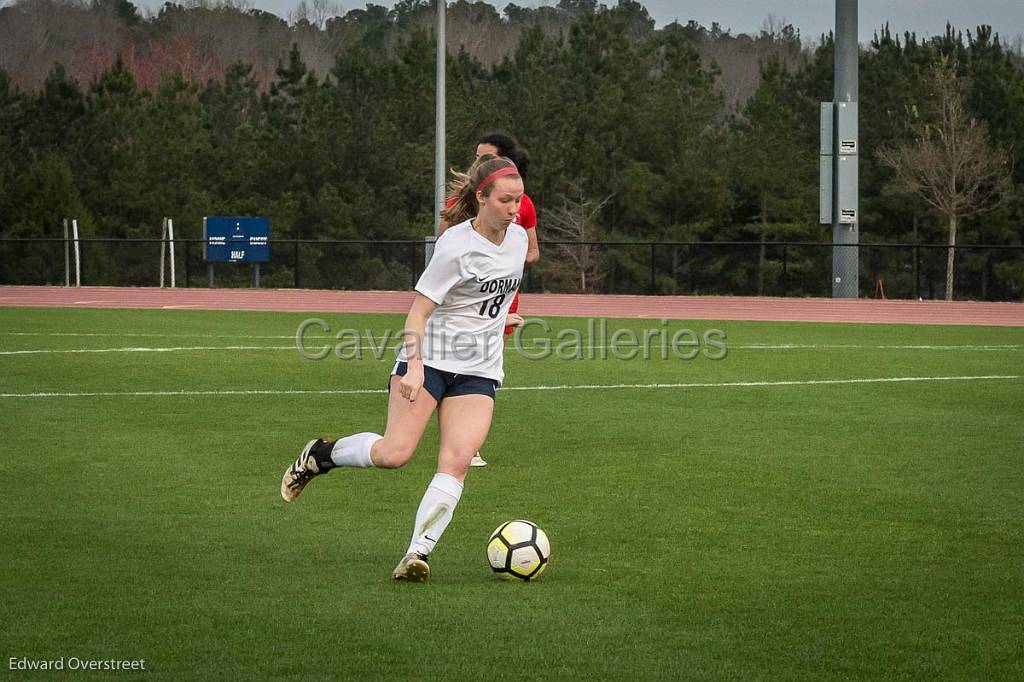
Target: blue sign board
x=236 y=240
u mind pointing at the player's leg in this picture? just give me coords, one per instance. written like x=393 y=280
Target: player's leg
x=464 y=422
x=477 y=460
x=406 y=422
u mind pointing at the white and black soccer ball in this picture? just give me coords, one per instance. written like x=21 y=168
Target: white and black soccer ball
x=518 y=549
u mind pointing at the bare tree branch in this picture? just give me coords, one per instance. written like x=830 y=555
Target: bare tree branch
x=576 y=220
x=951 y=164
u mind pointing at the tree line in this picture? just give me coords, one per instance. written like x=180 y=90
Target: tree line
x=637 y=134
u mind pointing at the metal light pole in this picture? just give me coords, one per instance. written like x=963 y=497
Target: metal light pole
x=439 y=132
x=845 y=150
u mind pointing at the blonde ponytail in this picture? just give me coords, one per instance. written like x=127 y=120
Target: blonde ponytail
x=462 y=190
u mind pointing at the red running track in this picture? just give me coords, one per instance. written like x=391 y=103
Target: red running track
x=648 y=307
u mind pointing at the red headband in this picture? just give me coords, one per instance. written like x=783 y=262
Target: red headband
x=501 y=172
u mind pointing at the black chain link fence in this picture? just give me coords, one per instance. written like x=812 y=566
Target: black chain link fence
x=901 y=271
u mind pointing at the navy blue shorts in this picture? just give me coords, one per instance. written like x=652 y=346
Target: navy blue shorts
x=441 y=384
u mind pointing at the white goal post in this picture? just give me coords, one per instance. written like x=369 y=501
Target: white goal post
x=78 y=253
x=167 y=250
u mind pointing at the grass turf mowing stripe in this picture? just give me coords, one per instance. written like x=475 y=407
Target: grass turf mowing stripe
x=562 y=387
x=832 y=533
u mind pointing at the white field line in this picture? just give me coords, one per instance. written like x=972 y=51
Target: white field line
x=175 y=349
x=161 y=336
x=843 y=346
x=314 y=345
x=784 y=346
x=562 y=387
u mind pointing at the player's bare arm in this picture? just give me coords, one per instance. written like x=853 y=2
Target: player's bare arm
x=415 y=329
x=532 y=247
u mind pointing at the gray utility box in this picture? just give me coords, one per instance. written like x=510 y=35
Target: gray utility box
x=838 y=160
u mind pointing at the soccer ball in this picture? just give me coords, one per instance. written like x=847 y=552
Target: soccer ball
x=518 y=549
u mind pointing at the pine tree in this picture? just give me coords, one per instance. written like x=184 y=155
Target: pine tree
x=774 y=170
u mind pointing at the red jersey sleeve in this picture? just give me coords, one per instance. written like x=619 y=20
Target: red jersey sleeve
x=527 y=213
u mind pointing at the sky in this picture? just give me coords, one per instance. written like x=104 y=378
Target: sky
x=814 y=17
x=811 y=17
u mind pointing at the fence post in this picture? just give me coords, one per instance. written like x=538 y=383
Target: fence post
x=163 y=250
x=412 y=261
x=985 y=269
x=653 y=289
x=428 y=249
x=785 y=269
x=917 y=271
x=67 y=256
x=295 y=245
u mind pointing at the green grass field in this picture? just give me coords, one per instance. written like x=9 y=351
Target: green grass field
x=789 y=527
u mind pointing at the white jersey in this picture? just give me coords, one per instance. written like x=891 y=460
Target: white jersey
x=473 y=281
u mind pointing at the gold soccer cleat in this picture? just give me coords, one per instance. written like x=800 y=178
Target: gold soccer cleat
x=413 y=567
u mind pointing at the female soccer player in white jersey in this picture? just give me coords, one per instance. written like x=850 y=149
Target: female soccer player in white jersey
x=502 y=144
x=451 y=360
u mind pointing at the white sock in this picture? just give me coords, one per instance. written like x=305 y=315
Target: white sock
x=354 y=451
x=435 y=512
